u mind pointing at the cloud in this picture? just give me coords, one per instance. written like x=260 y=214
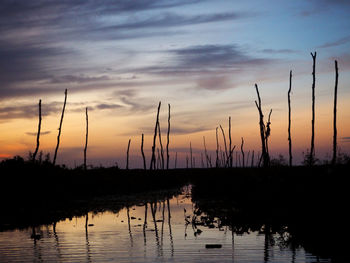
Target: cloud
x=279 y=51
x=77 y=79
x=335 y=43
x=104 y=106
x=214 y=83
x=35 y=133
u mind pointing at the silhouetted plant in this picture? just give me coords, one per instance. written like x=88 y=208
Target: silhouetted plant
x=127 y=155
x=309 y=159
x=264 y=154
x=289 y=121
x=60 y=127
x=191 y=155
x=161 y=146
x=86 y=137
x=38 y=134
x=224 y=137
x=153 y=159
x=168 y=139
x=143 y=154
x=217 y=149
x=279 y=161
x=334 y=159
x=242 y=151
x=312 y=148
x=230 y=138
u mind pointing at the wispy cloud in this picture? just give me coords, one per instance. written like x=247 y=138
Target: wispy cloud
x=338 y=42
x=35 y=134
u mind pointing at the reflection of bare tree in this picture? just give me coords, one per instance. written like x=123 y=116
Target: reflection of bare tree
x=129 y=226
x=154 y=210
x=268 y=240
x=145 y=225
x=56 y=239
x=87 y=238
x=233 y=243
x=37 y=250
x=170 y=232
x=162 y=231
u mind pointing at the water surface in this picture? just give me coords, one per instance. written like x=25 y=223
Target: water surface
x=168 y=230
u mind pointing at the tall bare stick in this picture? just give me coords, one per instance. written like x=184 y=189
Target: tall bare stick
x=312 y=148
x=167 y=143
x=334 y=159
x=86 y=137
x=60 y=128
x=223 y=135
x=38 y=134
x=161 y=146
x=127 y=155
x=153 y=159
x=242 y=152
x=264 y=154
x=289 y=120
x=175 y=164
x=217 y=148
x=143 y=154
x=229 y=136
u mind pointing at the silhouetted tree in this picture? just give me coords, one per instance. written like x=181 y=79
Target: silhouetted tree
x=217 y=149
x=60 y=127
x=168 y=139
x=127 y=155
x=334 y=159
x=38 y=134
x=86 y=137
x=153 y=159
x=143 y=154
x=242 y=152
x=223 y=135
x=289 y=121
x=312 y=148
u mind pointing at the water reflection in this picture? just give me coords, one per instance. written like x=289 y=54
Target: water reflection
x=166 y=228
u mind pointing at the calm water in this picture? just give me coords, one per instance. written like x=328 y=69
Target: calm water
x=144 y=233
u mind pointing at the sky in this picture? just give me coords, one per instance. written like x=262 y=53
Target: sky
x=120 y=58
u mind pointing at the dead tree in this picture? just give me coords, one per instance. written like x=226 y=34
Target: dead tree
x=223 y=135
x=334 y=159
x=153 y=159
x=264 y=154
x=143 y=154
x=206 y=154
x=86 y=137
x=230 y=146
x=289 y=121
x=312 y=148
x=242 y=151
x=168 y=137
x=127 y=155
x=60 y=128
x=217 y=148
x=161 y=146
x=252 y=164
x=38 y=134
x=267 y=133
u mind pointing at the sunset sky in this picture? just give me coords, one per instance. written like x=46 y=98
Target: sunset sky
x=120 y=58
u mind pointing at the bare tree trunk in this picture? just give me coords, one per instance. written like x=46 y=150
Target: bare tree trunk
x=38 y=134
x=289 y=121
x=223 y=135
x=217 y=148
x=86 y=137
x=127 y=155
x=252 y=164
x=334 y=159
x=206 y=154
x=60 y=128
x=143 y=154
x=267 y=135
x=168 y=137
x=230 y=138
x=262 y=129
x=202 y=162
x=312 y=148
x=153 y=159
x=242 y=152
x=161 y=146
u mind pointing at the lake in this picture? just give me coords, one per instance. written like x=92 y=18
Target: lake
x=172 y=229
